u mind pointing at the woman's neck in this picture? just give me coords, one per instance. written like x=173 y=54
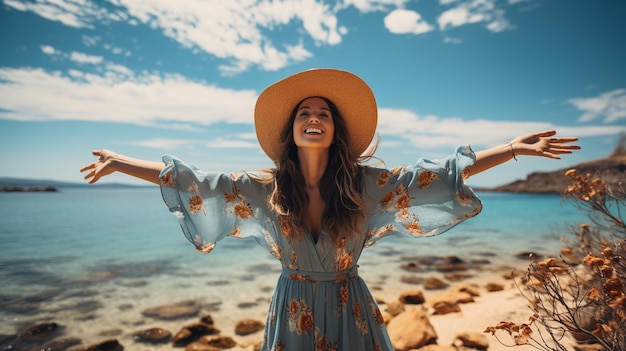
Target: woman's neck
x=313 y=164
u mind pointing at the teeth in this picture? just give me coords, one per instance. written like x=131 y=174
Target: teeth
x=313 y=131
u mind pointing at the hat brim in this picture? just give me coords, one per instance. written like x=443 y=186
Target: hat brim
x=351 y=95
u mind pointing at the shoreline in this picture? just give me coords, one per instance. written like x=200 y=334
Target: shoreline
x=116 y=310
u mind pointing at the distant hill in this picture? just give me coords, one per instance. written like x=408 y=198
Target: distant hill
x=25 y=184
x=612 y=169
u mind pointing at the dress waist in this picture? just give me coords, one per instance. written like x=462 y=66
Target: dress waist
x=313 y=277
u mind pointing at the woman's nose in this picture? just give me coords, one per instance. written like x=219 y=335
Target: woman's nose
x=313 y=119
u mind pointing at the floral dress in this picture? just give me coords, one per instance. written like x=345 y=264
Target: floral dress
x=320 y=302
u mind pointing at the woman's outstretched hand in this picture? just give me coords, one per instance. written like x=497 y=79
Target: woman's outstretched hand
x=103 y=166
x=109 y=162
x=543 y=144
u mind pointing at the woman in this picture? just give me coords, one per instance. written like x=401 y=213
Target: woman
x=320 y=206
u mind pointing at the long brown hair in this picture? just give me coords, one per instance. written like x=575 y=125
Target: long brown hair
x=341 y=185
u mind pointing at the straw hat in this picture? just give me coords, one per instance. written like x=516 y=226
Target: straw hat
x=351 y=95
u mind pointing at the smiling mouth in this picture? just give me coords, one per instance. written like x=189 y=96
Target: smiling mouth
x=314 y=131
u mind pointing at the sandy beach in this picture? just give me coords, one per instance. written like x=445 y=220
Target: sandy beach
x=116 y=310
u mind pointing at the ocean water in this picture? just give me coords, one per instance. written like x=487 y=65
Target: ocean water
x=92 y=259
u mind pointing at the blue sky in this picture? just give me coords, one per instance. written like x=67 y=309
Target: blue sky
x=153 y=77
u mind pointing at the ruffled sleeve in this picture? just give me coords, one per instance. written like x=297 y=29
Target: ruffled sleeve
x=211 y=206
x=426 y=199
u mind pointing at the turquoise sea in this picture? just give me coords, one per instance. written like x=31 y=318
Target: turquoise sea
x=93 y=259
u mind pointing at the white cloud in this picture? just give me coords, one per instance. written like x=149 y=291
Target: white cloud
x=374 y=5
x=48 y=50
x=402 y=21
x=165 y=144
x=72 y=13
x=235 y=141
x=236 y=31
x=84 y=58
x=431 y=131
x=474 y=11
x=178 y=103
x=610 y=106
x=147 y=99
x=233 y=30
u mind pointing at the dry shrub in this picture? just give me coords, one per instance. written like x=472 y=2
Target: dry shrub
x=582 y=292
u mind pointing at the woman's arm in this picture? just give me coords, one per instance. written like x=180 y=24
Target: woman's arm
x=537 y=144
x=109 y=162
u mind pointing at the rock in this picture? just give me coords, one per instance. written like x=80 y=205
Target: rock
x=111 y=332
x=434 y=347
x=588 y=347
x=39 y=331
x=208 y=320
x=247 y=304
x=513 y=274
x=412 y=297
x=445 y=307
x=411 y=329
x=476 y=341
x=411 y=267
x=453 y=260
x=395 y=308
x=219 y=341
x=193 y=332
x=491 y=287
x=196 y=346
x=248 y=326
x=174 y=311
x=153 y=336
x=411 y=279
x=446 y=268
x=60 y=344
x=529 y=255
x=467 y=288
x=387 y=318
x=455 y=297
x=433 y=283
x=107 y=345
x=457 y=277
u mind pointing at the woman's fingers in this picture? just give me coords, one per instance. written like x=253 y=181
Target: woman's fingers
x=545 y=133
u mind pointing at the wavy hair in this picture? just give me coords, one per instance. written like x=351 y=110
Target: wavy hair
x=341 y=185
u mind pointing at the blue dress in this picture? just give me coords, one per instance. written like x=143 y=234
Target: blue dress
x=320 y=302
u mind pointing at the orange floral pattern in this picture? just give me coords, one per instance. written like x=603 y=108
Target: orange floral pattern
x=464 y=199
x=196 y=204
x=238 y=203
x=168 y=179
x=344 y=293
x=414 y=227
x=236 y=233
x=285 y=227
x=343 y=259
x=385 y=175
x=300 y=317
x=426 y=177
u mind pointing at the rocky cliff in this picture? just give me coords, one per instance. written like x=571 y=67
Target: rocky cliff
x=612 y=169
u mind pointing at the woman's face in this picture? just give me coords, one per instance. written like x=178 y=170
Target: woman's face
x=313 y=126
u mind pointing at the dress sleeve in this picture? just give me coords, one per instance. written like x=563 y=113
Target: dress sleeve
x=426 y=199
x=211 y=206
